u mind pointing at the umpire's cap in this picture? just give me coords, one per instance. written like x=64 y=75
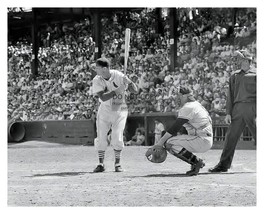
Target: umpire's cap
x=244 y=54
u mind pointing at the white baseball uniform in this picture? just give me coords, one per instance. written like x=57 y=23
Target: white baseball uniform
x=159 y=128
x=199 y=128
x=112 y=114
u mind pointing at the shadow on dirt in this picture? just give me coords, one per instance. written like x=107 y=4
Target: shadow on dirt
x=59 y=174
x=184 y=175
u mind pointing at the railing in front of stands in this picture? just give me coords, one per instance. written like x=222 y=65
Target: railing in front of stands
x=220 y=133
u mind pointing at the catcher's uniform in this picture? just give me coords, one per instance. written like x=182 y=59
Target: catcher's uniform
x=112 y=114
x=199 y=128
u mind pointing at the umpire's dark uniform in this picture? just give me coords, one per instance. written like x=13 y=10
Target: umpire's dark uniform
x=241 y=105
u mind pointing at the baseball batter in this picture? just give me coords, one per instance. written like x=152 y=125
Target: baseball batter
x=110 y=85
x=198 y=124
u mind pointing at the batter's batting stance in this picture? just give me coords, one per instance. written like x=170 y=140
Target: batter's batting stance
x=198 y=124
x=109 y=86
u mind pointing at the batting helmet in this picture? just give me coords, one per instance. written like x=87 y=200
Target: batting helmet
x=156 y=154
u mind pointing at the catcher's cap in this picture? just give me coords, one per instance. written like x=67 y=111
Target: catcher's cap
x=244 y=54
x=186 y=90
x=156 y=154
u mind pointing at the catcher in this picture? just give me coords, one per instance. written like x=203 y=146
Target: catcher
x=199 y=138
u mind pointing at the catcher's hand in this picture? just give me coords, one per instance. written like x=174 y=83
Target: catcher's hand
x=156 y=154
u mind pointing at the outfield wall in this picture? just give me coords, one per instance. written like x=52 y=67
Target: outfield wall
x=65 y=131
x=83 y=131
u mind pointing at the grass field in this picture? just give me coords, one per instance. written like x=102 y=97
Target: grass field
x=49 y=174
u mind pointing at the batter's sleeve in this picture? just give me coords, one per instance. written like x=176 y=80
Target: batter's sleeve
x=98 y=86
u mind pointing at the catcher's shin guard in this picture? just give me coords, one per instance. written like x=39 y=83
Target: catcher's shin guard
x=184 y=155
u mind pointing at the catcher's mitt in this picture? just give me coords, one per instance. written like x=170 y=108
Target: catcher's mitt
x=156 y=154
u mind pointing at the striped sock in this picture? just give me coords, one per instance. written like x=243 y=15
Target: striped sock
x=101 y=155
x=117 y=157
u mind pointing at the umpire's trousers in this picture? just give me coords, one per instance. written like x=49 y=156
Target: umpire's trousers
x=243 y=114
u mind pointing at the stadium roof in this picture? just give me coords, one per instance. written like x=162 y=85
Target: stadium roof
x=22 y=17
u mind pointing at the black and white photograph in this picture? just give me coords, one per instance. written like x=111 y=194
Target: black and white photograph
x=122 y=106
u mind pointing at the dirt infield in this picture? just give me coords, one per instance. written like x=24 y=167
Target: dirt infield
x=48 y=174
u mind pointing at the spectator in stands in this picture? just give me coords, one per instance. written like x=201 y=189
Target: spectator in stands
x=137 y=140
x=68 y=53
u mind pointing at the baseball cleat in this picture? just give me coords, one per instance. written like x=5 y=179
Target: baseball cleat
x=196 y=168
x=99 y=168
x=118 y=169
x=218 y=168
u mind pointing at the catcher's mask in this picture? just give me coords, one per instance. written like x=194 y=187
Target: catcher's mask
x=156 y=154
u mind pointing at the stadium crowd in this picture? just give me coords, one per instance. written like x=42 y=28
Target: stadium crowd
x=62 y=90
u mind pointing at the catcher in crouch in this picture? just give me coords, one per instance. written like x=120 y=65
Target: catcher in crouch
x=198 y=124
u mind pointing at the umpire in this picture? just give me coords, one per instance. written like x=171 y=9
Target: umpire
x=240 y=109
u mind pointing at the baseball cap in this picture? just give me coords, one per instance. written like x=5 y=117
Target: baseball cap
x=244 y=54
x=103 y=62
x=187 y=90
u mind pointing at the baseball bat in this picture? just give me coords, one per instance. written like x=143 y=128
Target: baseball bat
x=127 y=41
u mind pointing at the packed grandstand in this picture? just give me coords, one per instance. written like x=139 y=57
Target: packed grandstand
x=206 y=43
